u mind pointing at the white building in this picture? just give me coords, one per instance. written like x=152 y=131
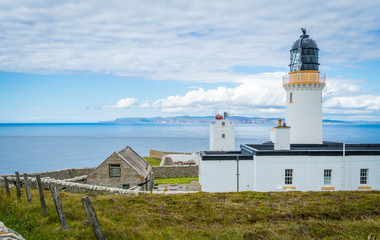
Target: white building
x=222 y=136
x=296 y=158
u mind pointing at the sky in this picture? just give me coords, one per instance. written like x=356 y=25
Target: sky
x=90 y=61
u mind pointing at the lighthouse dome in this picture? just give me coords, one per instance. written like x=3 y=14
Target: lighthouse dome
x=304 y=54
x=306 y=43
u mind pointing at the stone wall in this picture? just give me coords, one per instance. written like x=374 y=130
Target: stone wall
x=71 y=186
x=175 y=171
x=61 y=174
x=158 y=172
x=160 y=154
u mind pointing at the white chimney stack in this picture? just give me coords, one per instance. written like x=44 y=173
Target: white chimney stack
x=281 y=137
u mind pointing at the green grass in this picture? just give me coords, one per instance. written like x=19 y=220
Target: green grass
x=153 y=161
x=245 y=215
x=182 y=180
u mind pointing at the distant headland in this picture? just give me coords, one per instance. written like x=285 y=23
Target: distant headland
x=208 y=119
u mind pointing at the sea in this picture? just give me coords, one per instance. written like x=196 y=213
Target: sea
x=30 y=148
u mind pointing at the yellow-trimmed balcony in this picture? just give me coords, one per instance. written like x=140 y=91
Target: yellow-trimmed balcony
x=304 y=77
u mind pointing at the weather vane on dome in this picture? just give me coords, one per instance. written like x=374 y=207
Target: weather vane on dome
x=303 y=31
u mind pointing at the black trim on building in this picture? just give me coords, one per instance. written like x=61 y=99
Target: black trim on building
x=267 y=149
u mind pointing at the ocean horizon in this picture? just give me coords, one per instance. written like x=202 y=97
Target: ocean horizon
x=36 y=147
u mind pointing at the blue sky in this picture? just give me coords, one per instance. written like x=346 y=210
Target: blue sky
x=88 y=61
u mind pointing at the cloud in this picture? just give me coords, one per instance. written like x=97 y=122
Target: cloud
x=363 y=101
x=122 y=103
x=263 y=95
x=145 y=105
x=189 y=41
x=349 y=96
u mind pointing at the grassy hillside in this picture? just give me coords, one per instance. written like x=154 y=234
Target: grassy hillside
x=247 y=215
x=180 y=180
x=153 y=161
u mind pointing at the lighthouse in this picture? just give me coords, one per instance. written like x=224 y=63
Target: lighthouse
x=222 y=136
x=303 y=86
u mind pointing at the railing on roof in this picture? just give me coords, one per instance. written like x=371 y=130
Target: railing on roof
x=304 y=78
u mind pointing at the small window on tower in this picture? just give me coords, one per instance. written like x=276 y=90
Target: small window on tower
x=223 y=135
x=291 y=97
x=223 y=123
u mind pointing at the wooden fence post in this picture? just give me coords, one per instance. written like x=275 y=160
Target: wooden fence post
x=92 y=217
x=18 y=185
x=7 y=186
x=27 y=188
x=41 y=193
x=58 y=206
x=151 y=182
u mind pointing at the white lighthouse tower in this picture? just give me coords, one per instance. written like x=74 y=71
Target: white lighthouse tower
x=303 y=86
x=222 y=136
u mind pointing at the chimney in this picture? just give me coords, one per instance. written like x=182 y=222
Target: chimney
x=279 y=122
x=281 y=137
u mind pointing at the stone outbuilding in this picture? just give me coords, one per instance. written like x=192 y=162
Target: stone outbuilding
x=123 y=169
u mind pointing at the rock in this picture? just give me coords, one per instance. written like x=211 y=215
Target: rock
x=7 y=233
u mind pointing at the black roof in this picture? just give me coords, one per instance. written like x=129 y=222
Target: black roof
x=325 y=149
x=266 y=149
x=229 y=155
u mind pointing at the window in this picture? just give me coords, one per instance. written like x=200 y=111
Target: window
x=288 y=176
x=327 y=176
x=223 y=123
x=223 y=135
x=364 y=176
x=115 y=170
x=125 y=186
x=291 y=97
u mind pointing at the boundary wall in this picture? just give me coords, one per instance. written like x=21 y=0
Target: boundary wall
x=172 y=171
x=159 y=154
x=72 y=187
x=59 y=174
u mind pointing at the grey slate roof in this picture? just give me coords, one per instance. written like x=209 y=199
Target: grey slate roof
x=129 y=155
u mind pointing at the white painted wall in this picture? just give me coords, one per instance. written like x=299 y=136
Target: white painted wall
x=304 y=114
x=217 y=142
x=271 y=135
x=309 y=172
x=246 y=175
x=267 y=173
x=220 y=176
x=353 y=166
x=282 y=138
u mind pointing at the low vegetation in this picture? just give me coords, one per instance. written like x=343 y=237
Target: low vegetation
x=153 y=161
x=245 y=215
x=181 y=180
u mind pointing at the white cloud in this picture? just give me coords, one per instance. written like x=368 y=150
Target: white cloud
x=190 y=41
x=349 y=96
x=263 y=95
x=145 y=105
x=366 y=101
x=260 y=91
x=122 y=103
